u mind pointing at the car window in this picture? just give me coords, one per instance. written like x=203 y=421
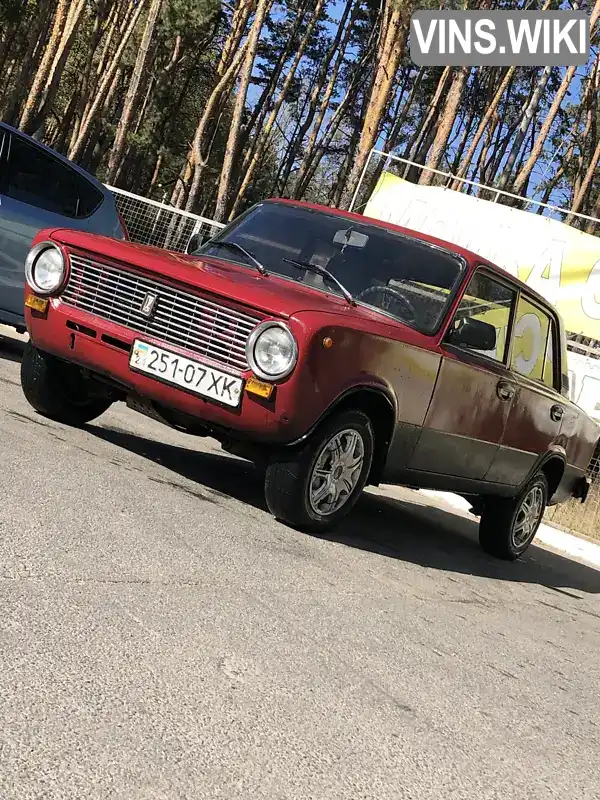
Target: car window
x=35 y=178
x=548 y=374
x=532 y=351
x=489 y=301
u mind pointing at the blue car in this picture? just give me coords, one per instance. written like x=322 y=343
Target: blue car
x=41 y=189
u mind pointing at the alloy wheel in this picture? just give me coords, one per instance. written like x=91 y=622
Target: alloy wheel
x=528 y=517
x=336 y=472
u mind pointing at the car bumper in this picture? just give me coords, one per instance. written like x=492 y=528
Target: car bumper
x=104 y=349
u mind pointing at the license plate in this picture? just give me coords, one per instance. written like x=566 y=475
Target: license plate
x=185 y=373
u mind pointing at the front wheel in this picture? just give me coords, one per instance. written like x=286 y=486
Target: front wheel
x=509 y=525
x=58 y=390
x=314 y=486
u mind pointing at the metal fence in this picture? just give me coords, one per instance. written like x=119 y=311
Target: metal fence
x=158 y=224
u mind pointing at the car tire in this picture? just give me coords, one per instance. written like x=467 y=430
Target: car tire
x=57 y=390
x=509 y=525
x=297 y=495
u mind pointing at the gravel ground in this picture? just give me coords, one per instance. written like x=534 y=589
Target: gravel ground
x=162 y=637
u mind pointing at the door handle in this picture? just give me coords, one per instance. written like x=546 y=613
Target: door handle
x=556 y=413
x=505 y=390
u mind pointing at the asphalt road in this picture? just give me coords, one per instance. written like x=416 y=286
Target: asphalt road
x=162 y=637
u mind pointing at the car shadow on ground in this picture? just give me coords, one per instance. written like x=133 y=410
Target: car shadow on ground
x=405 y=530
x=11 y=349
x=411 y=531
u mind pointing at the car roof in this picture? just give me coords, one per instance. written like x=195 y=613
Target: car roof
x=98 y=184
x=472 y=258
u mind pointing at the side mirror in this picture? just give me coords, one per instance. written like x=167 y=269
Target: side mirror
x=474 y=334
x=196 y=241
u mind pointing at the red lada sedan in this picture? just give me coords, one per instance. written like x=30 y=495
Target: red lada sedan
x=337 y=350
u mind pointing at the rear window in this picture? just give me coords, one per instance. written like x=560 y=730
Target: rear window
x=90 y=198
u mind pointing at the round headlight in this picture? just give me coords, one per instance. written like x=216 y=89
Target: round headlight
x=45 y=268
x=272 y=351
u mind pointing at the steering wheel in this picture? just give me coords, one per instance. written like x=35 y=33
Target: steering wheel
x=389 y=298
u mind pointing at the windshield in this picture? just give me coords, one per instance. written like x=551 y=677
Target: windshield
x=401 y=277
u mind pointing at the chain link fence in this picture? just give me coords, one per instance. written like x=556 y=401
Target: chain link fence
x=158 y=224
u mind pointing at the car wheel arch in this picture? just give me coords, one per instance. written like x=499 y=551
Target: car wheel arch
x=553 y=466
x=381 y=409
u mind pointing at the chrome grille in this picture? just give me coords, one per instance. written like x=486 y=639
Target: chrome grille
x=180 y=318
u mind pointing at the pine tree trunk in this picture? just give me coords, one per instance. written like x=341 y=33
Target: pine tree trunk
x=105 y=85
x=6 y=44
x=444 y=128
x=421 y=140
x=579 y=198
x=198 y=158
x=43 y=73
x=469 y=122
x=303 y=179
x=55 y=74
x=396 y=18
x=104 y=34
x=239 y=22
x=482 y=127
x=529 y=110
x=317 y=92
x=71 y=130
x=324 y=142
x=551 y=116
x=227 y=68
x=588 y=139
x=131 y=98
x=392 y=139
x=231 y=148
x=572 y=136
x=259 y=112
x=36 y=42
x=262 y=139
x=594 y=227
x=170 y=117
x=97 y=140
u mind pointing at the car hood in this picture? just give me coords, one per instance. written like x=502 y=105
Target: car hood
x=270 y=294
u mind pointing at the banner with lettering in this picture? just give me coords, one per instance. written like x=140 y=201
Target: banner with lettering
x=559 y=262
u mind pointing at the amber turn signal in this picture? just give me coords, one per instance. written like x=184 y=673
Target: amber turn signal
x=37 y=303
x=327 y=342
x=261 y=388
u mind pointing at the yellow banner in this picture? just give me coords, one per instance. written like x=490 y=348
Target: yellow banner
x=559 y=262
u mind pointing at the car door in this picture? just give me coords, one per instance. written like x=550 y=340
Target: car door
x=37 y=191
x=473 y=394
x=538 y=408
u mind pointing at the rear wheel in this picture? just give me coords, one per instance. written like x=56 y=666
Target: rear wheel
x=509 y=525
x=58 y=390
x=314 y=487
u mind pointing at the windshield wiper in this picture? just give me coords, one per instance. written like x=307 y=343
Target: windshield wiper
x=325 y=274
x=235 y=246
